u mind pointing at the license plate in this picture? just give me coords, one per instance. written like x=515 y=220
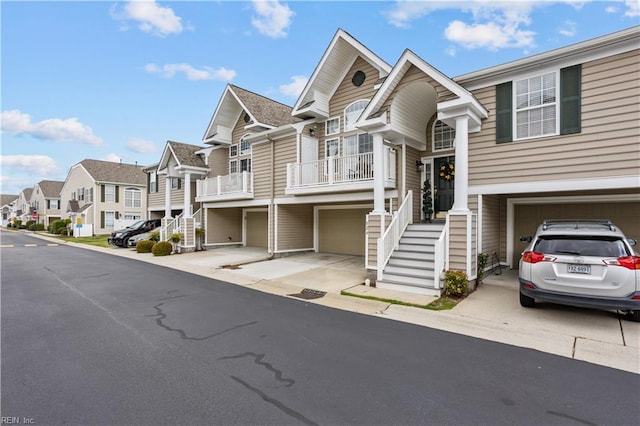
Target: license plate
x=579 y=269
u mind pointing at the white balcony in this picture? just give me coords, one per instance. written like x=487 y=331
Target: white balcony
x=339 y=174
x=235 y=186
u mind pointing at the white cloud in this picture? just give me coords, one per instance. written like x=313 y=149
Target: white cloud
x=274 y=18
x=611 y=9
x=112 y=157
x=141 y=145
x=450 y=51
x=568 y=29
x=633 y=8
x=38 y=164
x=194 y=74
x=150 y=17
x=295 y=87
x=494 y=24
x=56 y=129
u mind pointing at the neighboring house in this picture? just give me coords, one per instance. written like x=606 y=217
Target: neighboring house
x=8 y=203
x=45 y=201
x=23 y=210
x=554 y=135
x=97 y=193
x=171 y=189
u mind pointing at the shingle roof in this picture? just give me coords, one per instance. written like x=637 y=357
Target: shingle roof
x=27 y=193
x=265 y=110
x=108 y=171
x=6 y=199
x=51 y=188
x=186 y=154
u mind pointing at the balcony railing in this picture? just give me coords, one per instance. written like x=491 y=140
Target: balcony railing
x=348 y=169
x=235 y=185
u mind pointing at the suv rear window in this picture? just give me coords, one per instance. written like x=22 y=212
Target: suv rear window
x=581 y=246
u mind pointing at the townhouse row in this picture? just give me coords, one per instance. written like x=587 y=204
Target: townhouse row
x=551 y=136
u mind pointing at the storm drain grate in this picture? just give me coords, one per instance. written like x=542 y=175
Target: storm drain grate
x=309 y=293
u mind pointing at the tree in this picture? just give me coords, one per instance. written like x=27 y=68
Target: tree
x=427 y=201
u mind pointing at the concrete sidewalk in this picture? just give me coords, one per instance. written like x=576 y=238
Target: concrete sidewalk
x=492 y=312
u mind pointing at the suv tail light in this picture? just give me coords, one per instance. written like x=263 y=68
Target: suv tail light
x=535 y=257
x=629 y=262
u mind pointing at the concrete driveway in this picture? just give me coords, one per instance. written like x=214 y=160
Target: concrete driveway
x=492 y=312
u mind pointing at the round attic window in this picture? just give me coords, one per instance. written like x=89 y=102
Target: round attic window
x=358 y=78
x=247 y=118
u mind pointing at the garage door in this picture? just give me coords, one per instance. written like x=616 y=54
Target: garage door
x=257 y=229
x=342 y=231
x=528 y=217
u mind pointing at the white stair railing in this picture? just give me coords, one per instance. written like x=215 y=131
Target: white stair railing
x=391 y=237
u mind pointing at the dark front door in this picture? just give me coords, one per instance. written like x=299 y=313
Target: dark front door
x=444 y=177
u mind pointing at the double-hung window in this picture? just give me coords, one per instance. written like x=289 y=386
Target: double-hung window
x=358 y=144
x=110 y=194
x=245 y=165
x=245 y=147
x=233 y=166
x=332 y=126
x=547 y=104
x=109 y=218
x=233 y=151
x=153 y=182
x=132 y=197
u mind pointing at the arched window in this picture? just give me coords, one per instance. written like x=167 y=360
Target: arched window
x=352 y=113
x=443 y=136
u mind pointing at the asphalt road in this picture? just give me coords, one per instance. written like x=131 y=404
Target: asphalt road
x=89 y=338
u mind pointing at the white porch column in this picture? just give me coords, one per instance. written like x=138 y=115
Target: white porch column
x=167 y=197
x=187 y=195
x=378 y=174
x=461 y=180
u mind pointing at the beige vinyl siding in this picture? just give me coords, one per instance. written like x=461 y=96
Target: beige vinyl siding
x=457 y=242
x=295 y=227
x=238 y=130
x=156 y=199
x=374 y=232
x=257 y=225
x=224 y=226
x=285 y=152
x=261 y=168
x=77 y=178
x=607 y=145
x=342 y=231
x=219 y=162
x=491 y=226
x=347 y=93
x=413 y=181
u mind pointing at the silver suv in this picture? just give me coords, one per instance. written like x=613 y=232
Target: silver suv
x=586 y=263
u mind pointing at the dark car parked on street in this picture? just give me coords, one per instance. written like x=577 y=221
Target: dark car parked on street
x=121 y=237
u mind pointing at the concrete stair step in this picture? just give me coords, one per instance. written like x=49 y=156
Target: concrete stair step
x=405 y=288
x=415 y=248
x=411 y=263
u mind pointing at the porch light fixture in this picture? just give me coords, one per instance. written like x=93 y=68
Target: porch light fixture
x=419 y=166
x=312 y=132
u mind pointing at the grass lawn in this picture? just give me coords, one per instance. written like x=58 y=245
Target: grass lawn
x=443 y=303
x=96 y=240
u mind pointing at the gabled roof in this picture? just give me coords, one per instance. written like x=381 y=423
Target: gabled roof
x=184 y=157
x=330 y=71
x=50 y=188
x=261 y=113
x=6 y=199
x=452 y=94
x=26 y=193
x=110 y=172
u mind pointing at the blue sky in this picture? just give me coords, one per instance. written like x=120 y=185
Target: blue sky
x=116 y=80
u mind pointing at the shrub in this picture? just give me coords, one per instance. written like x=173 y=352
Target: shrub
x=58 y=225
x=163 y=248
x=39 y=227
x=17 y=223
x=64 y=232
x=29 y=223
x=483 y=259
x=144 y=246
x=455 y=283
x=31 y=227
x=155 y=236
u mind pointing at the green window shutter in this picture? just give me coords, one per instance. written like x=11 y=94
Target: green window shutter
x=102 y=219
x=504 y=122
x=570 y=103
x=102 y=191
x=117 y=194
